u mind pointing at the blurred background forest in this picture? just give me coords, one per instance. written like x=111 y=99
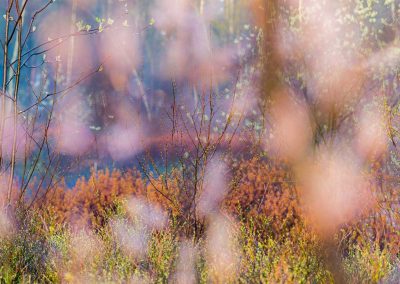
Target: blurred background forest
x=199 y=141
x=113 y=59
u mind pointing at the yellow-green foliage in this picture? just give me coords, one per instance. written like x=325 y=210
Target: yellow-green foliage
x=368 y=263
x=290 y=258
x=44 y=253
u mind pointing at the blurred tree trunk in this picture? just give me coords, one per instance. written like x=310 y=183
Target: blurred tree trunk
x=273 y=64
x=272 y=83
x=71 y=48
x=10 y=88
x=201 y=7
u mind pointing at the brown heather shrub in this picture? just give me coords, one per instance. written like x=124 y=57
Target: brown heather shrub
x=259 y=188
x=89 y=200
x=264 y=188
x=380 y=226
